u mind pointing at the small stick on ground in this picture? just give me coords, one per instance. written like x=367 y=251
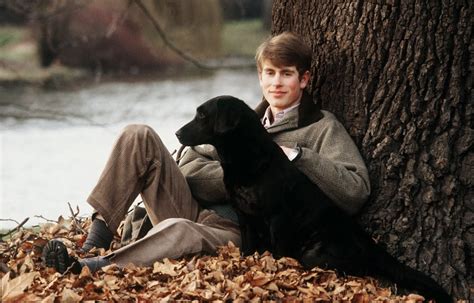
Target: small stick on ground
x=16 y=228
x=78 y=226
x=46 y=219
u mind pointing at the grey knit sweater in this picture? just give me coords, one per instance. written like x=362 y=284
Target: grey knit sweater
x=329 y=158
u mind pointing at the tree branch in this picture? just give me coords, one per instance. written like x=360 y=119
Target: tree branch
x=168 y=42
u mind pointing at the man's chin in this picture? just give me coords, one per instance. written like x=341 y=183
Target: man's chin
x=278 y=103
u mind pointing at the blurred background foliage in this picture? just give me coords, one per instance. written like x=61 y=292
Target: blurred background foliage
x=40 y=39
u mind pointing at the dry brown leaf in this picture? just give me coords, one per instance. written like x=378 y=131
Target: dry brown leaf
x=69 y=296
x=360 y=298
x=27 y=265
x=15 y=287
x=225 y=277
x=48 y=299
x=414 y=298
x=4 y=282
x=165 y=267
x=85 y=273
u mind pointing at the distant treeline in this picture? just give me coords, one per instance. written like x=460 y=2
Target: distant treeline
x=19 y=12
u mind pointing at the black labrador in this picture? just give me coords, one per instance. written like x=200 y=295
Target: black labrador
x=280 y=209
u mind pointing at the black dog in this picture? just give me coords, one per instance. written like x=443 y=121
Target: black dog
x=280 y=209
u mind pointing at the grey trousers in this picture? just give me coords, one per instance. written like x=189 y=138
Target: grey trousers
x=140 y=164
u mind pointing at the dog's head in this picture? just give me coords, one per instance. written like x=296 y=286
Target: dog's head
x=215 y=118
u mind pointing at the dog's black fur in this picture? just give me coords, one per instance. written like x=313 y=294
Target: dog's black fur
x=280 y=209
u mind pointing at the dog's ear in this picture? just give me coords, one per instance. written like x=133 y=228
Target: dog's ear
x=227 y=116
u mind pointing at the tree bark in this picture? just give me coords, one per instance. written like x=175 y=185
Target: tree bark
x=398 y=75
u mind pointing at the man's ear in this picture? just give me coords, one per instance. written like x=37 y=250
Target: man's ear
x=304 y=79
x=227 y=118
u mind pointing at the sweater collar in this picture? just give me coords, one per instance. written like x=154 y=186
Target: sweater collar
x=308 y=112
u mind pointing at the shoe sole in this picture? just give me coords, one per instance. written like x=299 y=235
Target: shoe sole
x=55 y=255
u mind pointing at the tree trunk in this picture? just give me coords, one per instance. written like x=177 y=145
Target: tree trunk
x=398 y=75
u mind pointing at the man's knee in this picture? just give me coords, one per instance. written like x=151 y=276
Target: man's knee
x=180 y=225
x=140 y=133
x=201 y=238
x=140 y=130
x=186 y=233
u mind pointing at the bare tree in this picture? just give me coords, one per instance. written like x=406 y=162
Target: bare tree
x=398 y=74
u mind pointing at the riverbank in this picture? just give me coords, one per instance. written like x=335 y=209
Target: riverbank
x=19 y=64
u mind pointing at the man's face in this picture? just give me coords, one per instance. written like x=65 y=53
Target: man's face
x=282 y=86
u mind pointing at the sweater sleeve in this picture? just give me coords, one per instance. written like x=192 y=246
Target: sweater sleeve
x=334 y=163
x=204 y=174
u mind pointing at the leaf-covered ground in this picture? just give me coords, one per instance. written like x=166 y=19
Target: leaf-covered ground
x=227 y=276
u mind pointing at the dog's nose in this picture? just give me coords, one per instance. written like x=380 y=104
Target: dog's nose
x=178 y=133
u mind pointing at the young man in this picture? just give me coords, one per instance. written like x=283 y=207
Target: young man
x=187 y=204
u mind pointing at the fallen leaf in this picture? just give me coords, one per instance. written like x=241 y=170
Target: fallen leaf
x=69 y=296
x=15 y=287
x=228 y=276
x=49 y=299
x=85 y=272
x=414 y=298
x=165 y=267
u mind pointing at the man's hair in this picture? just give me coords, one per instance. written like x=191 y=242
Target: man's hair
x=285 y=49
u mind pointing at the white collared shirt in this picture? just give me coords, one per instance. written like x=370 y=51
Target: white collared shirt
x=291 y=153
x=268 y=118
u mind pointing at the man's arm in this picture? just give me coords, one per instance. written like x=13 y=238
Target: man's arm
x=333 y=162
x=204 y=174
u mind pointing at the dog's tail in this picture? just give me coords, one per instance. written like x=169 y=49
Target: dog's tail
x=388 y=266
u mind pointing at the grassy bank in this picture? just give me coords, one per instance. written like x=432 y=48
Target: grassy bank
x=241 y=38
x=19 y=64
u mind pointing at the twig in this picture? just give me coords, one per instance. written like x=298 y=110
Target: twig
x=46 y=219
x=10 y=220
x=78 y=226
x=16 y=228
x=168 y=42
x=72 y=212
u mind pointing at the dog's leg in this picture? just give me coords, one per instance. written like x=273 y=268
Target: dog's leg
x=281 y=235
x=248 y=234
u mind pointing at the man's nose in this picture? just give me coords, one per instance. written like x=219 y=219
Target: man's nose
x=276 y=80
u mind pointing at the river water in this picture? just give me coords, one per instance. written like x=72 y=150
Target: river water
x=54 y=144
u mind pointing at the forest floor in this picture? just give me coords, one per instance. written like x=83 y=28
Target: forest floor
x=225 y=276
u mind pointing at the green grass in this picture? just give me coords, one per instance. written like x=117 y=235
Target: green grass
x=15 y=44
x=241 y=38
x=11 y=34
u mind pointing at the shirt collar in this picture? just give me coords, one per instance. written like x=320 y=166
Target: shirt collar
x=268 y=118
x=308 y=111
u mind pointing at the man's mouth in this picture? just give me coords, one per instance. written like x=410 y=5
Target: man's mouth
x=277 y=93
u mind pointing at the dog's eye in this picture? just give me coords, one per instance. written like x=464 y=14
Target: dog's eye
x=200 y=115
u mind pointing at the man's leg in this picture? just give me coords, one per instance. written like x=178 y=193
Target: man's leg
x=176 y=237
x=172 y=238
x=140 y=163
